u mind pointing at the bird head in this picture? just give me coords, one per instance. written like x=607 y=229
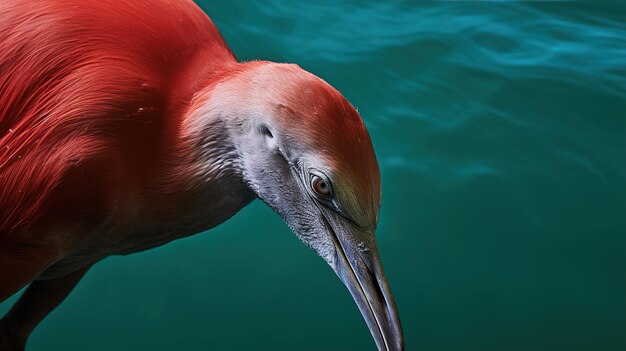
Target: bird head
x=306 y=153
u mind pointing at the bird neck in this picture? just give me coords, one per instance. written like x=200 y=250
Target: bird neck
x=210 y=128
x=203 y=184
x=213 y=129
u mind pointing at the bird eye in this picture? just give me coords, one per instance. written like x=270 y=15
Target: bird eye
x=320 y=186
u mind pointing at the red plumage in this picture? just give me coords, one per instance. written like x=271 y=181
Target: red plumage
x=98 y=104
x=81 y=96
x=127 y=124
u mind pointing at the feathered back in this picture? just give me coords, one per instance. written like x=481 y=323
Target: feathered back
x=89 y=80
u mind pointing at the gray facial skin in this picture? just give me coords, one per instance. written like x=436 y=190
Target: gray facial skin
x=279 y=171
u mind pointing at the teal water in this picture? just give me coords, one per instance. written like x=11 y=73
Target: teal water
x=501 y=133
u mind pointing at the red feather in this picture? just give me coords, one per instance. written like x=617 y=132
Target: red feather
x=82 y=95
x=94 y=96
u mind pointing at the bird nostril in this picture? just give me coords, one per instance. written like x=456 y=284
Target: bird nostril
x=375 y=284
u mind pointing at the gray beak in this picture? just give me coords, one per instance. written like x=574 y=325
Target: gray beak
x=359 y=267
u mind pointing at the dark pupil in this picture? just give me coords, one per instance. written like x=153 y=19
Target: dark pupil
x=320 y=186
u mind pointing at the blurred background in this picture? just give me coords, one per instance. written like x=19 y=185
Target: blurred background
x=500 y=129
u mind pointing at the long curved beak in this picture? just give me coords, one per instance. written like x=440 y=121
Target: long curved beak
x=359 y=267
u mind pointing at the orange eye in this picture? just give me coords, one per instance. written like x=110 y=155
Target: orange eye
x=320 y=186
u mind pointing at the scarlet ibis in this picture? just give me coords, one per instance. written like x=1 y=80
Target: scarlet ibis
x=127 y=124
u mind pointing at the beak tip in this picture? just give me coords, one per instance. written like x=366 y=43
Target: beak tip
x=397 y=342
x=362 y=273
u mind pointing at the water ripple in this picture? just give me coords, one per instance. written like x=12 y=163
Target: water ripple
x=481 y=36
